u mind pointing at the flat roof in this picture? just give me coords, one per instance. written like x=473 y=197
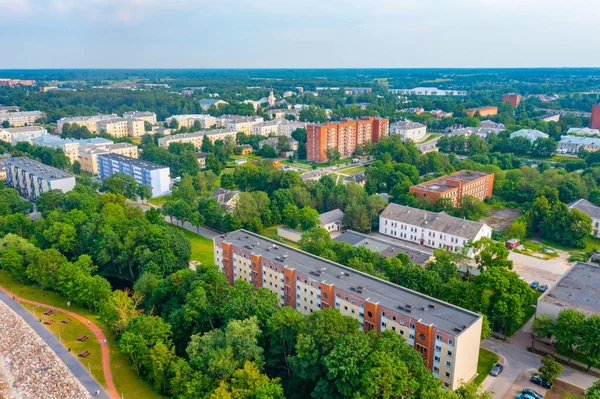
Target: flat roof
x=441 y=184
x=578 y=288
x=385 y=248
x=133 y=161
x=443 y=315
x=37 y=168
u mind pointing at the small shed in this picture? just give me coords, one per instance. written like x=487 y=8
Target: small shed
x=513 y=243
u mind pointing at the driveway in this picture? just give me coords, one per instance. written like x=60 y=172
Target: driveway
x=517 y=361
x=544 y=271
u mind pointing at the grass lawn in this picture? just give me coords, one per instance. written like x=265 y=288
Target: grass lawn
x=159 y=201
x=351 y=171
x=270 y=231
x=429 y=138
x=487 y=360
x=296 y=164
x=562 y=390
x=202 y=247
x=591 y=243
x=126 y=380
x=535 y=247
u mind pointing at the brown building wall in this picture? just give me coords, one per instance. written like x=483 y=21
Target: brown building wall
x=487 y=111
x=371 y=317
x=425 y=342
x=228 y=262
x=595 y=119
x=458 y=190
x=289 y=287
x=257 y=271
x=514 y=99
x=327 y=297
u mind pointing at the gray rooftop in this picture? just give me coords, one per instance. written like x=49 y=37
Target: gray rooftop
x=441 y=222
x=132 y=161
x=37 y=168
x=26 y=129
x=445 y=183
x=586 y=207
x=578 y=288
x=443 y=315
x=386 y=249
x=331 y=216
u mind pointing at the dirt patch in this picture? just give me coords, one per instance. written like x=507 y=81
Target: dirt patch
x=562 y=389
x=501 y=219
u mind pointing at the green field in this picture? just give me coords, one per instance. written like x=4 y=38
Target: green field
x=487 y=360
x=591 y=243
x=353 y=170
x=202 y=247
x=159 y=201
x=126 y=380
x=429 y=138
x=270 y=231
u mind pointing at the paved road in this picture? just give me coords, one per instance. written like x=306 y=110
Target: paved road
x=544 y=271
x=72 y=363
x=516 y=361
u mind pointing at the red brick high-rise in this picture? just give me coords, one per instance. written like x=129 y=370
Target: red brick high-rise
x=514 y=99
x=595 y=119
x=345 y=135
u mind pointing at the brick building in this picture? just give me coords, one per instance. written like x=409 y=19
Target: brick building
x=514 y=99
x=447 y=336
x=455 y=186
x=595 y=118
x=345 y=135
x=483 y=111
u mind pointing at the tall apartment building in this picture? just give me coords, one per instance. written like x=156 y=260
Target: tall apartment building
x=14 y=135
x=345 y=135
x=157 y=177
x=21 y=118
x=595 y=118
x=197 y=137
x=143 y=116
x=277 y=127
x=514 y=99
x=455 y=186
x=206 y=121
x=447 y=336
x=88 y=156
x=88 y=121
x=483 y=111
x=430 y=229
x=409 y=130
x=31 y=178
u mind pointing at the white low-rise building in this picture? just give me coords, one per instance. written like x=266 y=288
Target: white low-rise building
x=572 y=144
x=409 y=130
x=21 y=118
x=197 y=137
x=143 y=116
x=332 y=220
x=591 y=210
x=583 y=131
x=238 y=123
x=277 y=127
x=69 y=146
x=90 y=122
x=530 y=134
x=206 y=121
x=14 y=135
x=430 y=229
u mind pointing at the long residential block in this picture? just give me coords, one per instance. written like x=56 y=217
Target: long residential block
x=447 y=336
x=197 y=137
x=31 y=178
x=157 y=177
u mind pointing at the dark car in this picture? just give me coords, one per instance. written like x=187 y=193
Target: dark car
x=525 y=396
x=497 y=369
x=542 y=288
x=533 y=393
x=544 y=383
x=534 y=285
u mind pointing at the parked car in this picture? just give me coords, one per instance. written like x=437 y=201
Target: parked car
x=542 y=288
x=538 y=380
x=525 y=396
x=534 y=284
x=496 y=370
x=533 y=393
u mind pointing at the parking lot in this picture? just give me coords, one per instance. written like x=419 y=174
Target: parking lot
x=544 y=271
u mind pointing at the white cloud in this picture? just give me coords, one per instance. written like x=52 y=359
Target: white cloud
x=16 y=7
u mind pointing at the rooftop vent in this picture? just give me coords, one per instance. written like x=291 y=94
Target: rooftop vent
x=431 y=306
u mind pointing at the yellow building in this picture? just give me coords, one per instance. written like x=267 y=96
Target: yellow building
x=197 y=137
x=88 y=156
x=136 y=127
x=88 y=121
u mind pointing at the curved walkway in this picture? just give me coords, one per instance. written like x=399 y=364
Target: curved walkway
x=112 y=391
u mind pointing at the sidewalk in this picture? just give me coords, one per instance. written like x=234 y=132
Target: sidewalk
x=73 y=364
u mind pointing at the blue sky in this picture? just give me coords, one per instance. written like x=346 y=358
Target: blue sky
x=301 y=33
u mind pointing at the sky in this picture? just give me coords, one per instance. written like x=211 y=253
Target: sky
x=299 y=34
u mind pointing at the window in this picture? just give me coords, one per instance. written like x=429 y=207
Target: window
x=450 y=342
x=436 y=370
x=394 y=318
x=436 y=359
x=438 y=338
x=448 y=364
x=450 y=353
x=447 y=374
x=411 y=336
x=438 y=348
x=345 y=307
